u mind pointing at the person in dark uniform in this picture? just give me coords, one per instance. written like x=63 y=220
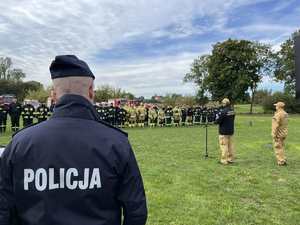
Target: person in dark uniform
x=98 y=110
x=204 y=115
x=42 y=113
x=183 y=115
x=118 y=119
x=28 y=113
x=51 y=108
x=15 y=110
x=189 y=116
x=111 y=111
x=3 y=117
x=169 y=115
x=123 y=118
x=102 y=113
x=197 y=114
x=72 y=168
x=225 y=119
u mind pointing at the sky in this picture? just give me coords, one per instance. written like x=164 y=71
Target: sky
x=142 y=46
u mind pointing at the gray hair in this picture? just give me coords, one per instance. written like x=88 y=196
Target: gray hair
x=72 y=85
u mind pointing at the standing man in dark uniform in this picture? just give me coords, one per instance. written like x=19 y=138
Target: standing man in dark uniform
x=197 y=114
x=111 y=114
x=183 y=115
x=42 y=113
x=73 y=168
x=123 y=114
x=118 y=117
x=169 y=115
x=28 y=113
x=3 y=117
x=15 y=110
x=226 y=130
x=189 y=116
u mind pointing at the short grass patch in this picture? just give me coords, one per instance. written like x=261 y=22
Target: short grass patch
x=184 y=188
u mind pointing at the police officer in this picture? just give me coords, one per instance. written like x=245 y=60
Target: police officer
x=3 y=117
x=42 y=113
x=279 y=132
x=226 y=130
x=86 y=173
x=15 y=110
x=28 y=113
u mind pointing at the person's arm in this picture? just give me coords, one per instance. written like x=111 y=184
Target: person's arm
x=6 y=190
x=132 y=194
x=220 y=116
x=275 y=125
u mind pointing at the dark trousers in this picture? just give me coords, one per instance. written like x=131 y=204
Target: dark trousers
x=2 y=124
x=15 y=123
x=168 y=120
x=183 y=119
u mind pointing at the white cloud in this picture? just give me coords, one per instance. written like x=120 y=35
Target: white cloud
x=149 y=76
x=32 y=32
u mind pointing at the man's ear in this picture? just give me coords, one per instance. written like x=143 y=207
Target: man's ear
x=91 y=92
x=54 y=95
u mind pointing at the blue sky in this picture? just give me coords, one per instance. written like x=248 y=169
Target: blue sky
x=144 y=47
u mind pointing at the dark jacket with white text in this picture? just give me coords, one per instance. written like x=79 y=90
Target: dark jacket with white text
x=71 y=170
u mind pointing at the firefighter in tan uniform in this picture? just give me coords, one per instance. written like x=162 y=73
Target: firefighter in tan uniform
x=225 y=119
x=141 y=115
x=279 y=132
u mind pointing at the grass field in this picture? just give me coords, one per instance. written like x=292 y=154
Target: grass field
x=183 y=188
x=245 y=108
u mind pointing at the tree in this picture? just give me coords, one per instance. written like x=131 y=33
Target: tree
x=261 y=95
x=285 y=65
x=40 y=94
x=106 y=92
x=234 y=67
x=16 y=75
x=7 y=73
x=5 y=64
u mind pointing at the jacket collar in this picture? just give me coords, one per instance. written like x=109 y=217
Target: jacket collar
x=75 y=106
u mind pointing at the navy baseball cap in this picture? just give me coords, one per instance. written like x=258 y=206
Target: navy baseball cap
x=69 y=66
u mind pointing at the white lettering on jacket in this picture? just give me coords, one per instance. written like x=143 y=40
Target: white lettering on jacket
x=51 y=179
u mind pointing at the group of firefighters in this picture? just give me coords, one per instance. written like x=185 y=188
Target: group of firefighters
x=16 y=111
x=154 y=115
x=129 y=115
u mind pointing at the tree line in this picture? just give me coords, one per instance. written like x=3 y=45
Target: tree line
x=236 y=67
x=233 y=69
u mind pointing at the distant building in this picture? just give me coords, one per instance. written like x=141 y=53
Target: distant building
x=158 y=98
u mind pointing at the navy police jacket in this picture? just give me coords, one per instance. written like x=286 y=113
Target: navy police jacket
x=71 y=170
x=225 y=119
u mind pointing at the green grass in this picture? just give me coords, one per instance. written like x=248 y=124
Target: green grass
x=184 y=188
x=245 y=108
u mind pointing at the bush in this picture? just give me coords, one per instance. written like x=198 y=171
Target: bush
x=291 y=105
